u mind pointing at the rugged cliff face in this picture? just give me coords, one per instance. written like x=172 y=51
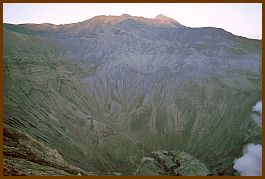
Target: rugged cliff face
x=107 y=91
x=26 y=156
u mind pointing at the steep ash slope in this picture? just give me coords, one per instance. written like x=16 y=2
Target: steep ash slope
x=42 y=95
x=93 y=89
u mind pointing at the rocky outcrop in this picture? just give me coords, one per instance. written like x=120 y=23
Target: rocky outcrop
x=171 y=163
x=23 y=155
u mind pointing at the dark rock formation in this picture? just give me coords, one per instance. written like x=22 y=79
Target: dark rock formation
x=23 y=155
x=171 y=163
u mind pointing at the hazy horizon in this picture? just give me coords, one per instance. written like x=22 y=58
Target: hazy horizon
x=232 y=17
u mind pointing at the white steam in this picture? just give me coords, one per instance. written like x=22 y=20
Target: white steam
x=250 y=164
x=257 y=117
x=258 y=107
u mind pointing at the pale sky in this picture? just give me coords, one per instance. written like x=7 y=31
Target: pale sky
x=244 y=19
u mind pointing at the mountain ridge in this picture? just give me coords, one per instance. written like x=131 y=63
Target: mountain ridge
x=158 y=21
x=109 y=17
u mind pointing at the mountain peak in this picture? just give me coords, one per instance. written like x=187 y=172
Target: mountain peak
x=161 y=16
x=167 y=20
x=160 y=20
x=126 y=15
